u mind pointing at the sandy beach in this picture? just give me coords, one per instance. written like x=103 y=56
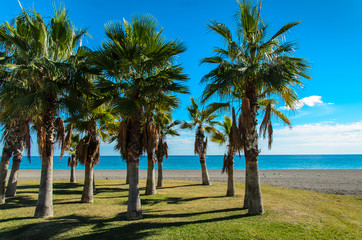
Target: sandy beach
x=335 y=181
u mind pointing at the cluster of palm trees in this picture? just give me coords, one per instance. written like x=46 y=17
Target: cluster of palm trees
x=125 y=91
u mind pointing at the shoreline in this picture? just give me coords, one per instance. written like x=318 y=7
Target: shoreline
x=334 y=181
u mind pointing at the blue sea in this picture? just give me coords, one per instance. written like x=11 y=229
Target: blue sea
x=216 y=161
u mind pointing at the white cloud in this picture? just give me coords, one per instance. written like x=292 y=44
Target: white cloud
x=310 y=101
x=319 y=138
x=325 y=137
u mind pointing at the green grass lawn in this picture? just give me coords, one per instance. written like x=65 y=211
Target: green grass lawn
x=181 y=210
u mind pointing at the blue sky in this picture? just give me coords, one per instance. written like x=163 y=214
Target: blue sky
x=330 y=116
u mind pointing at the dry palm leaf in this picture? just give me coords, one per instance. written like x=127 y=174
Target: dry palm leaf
x=245 y=108
x=270 y=135
x=67 y=141
x=199 y=141
x=79 y=152
x=122 y=139
x=60 y=132
x=40 y=136
x=266 y=120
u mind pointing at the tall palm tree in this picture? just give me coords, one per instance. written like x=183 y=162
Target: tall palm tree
x=166 y=129
x=16 y=131
x=150 y=142
x=90 y=118
x=204 y=121
x=225 y=137
x=44 y=78
x=249 y=66
x=72 y=160
x=138 y=67
x=17 y=157
x=16 y=136
x=151 y=135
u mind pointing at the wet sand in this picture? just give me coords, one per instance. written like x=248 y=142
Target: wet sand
x=335 y=181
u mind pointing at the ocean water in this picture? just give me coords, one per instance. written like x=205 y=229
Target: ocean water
x=216 y=161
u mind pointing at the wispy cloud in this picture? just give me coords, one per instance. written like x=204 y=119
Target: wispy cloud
x=324 y=137
x=310 y=101
x=320 y=138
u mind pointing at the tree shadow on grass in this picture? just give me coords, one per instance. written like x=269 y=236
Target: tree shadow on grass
x=107 y=228
x=18 y=201
x=173 y=200
x=109 y=189
x=180 y=186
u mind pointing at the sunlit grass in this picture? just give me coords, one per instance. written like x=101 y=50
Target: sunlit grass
x=181 y=210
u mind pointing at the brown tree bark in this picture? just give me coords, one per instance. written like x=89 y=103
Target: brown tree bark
x=160 y=173
x=204 y=172
x=44 y=207
x=127 y=174
x=8 y=149
x=94 y=182
x=150 y=184
x=72 y=170
x=230 y=192
x=160 y=153
x=87 y=194
x=252 y=184
x=246 y=195
x=200 y=149
x=13 y=178
x=5 y=159
x=134 y=211
x=72 y=174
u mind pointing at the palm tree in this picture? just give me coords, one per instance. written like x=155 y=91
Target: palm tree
x=150 y=142
x=44 y=78
x=247 y=68
x=151 y=134
x=16 y=136
x=87 y=152
x=17 y=156
x=72 y=160
x=138 y=71
x=166 y=129
x=204 y=121
x=225 y=137
x=16 y=131
x=90 y=118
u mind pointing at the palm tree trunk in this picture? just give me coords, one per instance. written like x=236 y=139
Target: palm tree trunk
x=87 y=195
x=72 y=173
x=204 y=172
x=246 y=196
x=255 y=203
x=72 y=164
x=231 y=186
x=160 y=173
x=44 y=207
x=13 y=179
x=134 y=211
x=10 y=142
x=94 y=183
x=252 y=183
x=150 y=185
x=127 y=174
x=5 y=159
